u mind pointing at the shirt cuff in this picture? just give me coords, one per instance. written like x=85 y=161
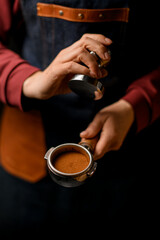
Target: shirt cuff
x=14 y=88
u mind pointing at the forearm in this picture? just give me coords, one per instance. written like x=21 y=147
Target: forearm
x=144 y=96
x=14 y=71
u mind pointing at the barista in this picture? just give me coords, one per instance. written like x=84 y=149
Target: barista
x=41 y=111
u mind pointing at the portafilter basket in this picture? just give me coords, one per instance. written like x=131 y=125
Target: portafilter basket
x=85 y=147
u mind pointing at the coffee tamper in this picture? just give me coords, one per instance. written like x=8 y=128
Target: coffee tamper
x=86 y=86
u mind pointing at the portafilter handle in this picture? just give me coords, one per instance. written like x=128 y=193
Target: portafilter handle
x=89 y=143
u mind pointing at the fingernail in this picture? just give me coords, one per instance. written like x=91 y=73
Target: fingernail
x=82 y=133
x=109 y=41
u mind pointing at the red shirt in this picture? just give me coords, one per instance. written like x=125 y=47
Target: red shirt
x=143 y=94
x=13 y=69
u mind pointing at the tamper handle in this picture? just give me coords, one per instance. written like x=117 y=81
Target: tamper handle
x=89 y=143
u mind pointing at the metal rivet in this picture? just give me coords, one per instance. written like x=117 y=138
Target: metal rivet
x=60 y=12
x=80 y=15
x=101 y=15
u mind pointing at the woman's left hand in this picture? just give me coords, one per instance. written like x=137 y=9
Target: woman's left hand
x=112 y=123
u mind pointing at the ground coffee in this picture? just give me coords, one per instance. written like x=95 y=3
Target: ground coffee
x=71 y=162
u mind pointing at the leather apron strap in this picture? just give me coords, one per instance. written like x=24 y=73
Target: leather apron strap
x=22 y=146
x=82 y=15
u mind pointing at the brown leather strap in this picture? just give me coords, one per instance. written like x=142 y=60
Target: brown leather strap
x=82 y=15
x=22 y=146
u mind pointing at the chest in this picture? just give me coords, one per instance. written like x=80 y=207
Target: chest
x=47 y=36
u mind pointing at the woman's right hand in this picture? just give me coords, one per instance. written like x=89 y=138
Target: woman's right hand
x=54 y=79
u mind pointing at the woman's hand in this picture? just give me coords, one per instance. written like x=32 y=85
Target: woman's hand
x=112 y=123
x=54 y=79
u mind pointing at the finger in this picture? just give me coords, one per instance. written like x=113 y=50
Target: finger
x=96 y=46
x=91 y=62
x=82 y=55
x=108 y=141
x=99 y=37
x=93 y=128
x=102 y=147
x=72 y=51
x=76 y=68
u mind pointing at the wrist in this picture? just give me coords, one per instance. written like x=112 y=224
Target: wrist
x=141 y=109
x=30 y=85
x=128 y=108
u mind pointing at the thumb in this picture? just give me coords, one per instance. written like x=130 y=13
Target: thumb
x=93 y=129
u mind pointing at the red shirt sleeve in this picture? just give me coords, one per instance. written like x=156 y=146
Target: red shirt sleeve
x=13 y=69
x=144 y=95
